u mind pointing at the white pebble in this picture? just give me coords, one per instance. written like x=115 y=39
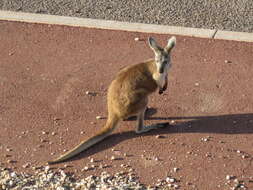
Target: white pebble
x=13 y=174
x=136 y=39
x=8 y=149
x=11 y=183
x=172 y=121
x=227 y=61
x=98 y=117
x=44 y=132
x=244 y=156
x=86 y=168
x=26 y=165
x=158 y=136
x=228 y=177
x=47 y=168
x=170 y=180
x=176 y=186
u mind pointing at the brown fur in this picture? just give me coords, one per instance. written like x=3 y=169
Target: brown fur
x=127 y=96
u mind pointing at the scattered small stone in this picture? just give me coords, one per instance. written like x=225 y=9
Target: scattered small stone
x=13 y=174
x=205 y=139
x=53 y=133
x=244 y=156
x=113 y=158
x=82 y=132
x=170 y=185
x=44 y=132
x=122 y=165
x=8 y=149
x=89 y=93
x=229 y=177
x=11 y=161
x=43 y=140
x=44 y=178
x=172 y=122
x=92 y=160
x=11 y=53
x=136 y=39
x=35 y=168
x=175 y=169
x=56 y=119
x=218 y=85
x=227 y=61
x=131 y=170
x=66 y=166
x=98 y=117
x=196 y=84
x=238 y=151
x=86 y=168
x=176 y=186
x=26 y=165
x=159 y=136
x=170 y=180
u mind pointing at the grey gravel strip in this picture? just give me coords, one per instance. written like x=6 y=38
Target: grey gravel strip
x=231 y=15
x=126 y=26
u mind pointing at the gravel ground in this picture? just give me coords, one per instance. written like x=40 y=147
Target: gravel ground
x=46 y=178
x=231 y=15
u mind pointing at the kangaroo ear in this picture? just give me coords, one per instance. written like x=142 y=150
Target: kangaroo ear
x=153 y=45
x=171 y=44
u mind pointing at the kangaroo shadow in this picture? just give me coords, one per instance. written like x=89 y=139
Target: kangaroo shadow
x=221 y=124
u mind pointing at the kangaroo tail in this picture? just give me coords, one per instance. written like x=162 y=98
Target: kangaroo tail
x=110 y=125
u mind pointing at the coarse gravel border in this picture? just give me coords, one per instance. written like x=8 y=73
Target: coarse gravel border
x=125 y=26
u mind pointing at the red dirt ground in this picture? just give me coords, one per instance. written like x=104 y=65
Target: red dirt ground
x=46 y=70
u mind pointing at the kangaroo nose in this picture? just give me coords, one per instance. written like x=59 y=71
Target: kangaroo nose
x=161 y=70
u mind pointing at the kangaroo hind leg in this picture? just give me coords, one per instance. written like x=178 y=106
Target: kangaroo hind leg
x=140 y=124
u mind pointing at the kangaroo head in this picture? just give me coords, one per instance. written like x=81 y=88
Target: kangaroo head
x=162 y=55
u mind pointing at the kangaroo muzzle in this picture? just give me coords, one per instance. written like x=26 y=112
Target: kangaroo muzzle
x=162 y=68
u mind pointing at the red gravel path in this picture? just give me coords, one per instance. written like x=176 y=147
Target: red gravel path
x=45 y=71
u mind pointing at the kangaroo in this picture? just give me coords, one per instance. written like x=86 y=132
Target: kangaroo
x=128 y=95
